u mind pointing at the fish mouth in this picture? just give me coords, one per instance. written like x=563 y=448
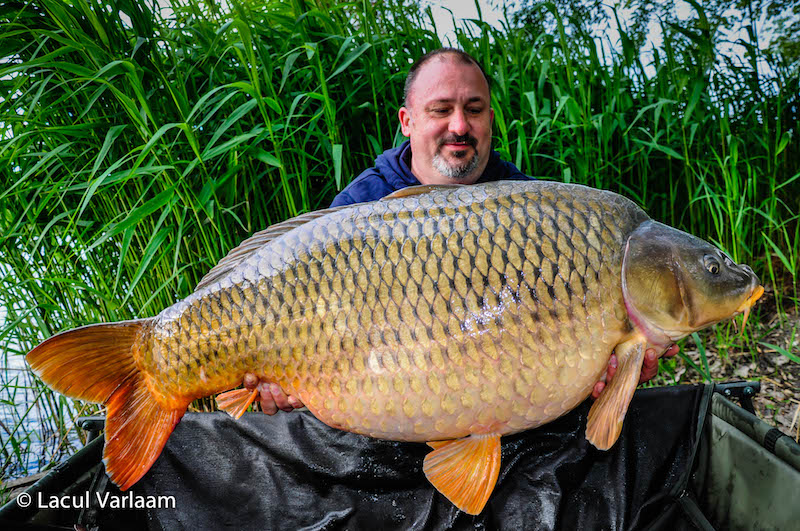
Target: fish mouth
x=749 y=302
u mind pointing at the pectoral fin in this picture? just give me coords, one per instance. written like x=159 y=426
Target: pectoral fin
x=236 y=402
x=465 y=470
x=607 y=413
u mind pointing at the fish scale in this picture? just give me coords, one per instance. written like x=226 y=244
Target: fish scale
x=459 y=289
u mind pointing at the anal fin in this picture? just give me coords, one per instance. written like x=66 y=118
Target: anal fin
x=236 y=402
x=605 y=418
x=465 y=470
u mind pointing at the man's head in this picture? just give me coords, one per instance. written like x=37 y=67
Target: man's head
x=448 y=118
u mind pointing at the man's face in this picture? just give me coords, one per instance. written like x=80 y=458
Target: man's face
x=449 y=122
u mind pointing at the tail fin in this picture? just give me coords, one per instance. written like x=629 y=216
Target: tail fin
x=96 y=363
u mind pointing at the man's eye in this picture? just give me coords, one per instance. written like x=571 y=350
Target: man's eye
x=439 y=111
x=475 y=110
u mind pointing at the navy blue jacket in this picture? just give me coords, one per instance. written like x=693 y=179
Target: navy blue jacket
x=392 y=172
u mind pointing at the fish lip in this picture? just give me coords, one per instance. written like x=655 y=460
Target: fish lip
x=750 y=301
x=755 y=293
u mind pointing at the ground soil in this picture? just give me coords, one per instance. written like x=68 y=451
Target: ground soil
x=778 y=401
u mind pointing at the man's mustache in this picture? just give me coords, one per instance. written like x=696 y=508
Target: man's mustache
x=459 y=139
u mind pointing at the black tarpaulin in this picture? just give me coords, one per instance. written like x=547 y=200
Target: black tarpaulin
x=290 y=471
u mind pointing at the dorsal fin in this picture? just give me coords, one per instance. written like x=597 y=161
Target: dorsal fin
x=244 y=250
x=419 y=190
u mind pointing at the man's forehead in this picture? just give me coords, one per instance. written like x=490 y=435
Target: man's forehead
x=434 y=75
x=436 y=98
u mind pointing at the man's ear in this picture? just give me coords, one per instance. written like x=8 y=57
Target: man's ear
x=405 y=121
x=491 y=116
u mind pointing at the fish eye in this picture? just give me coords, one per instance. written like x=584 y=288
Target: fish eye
x=711 y=264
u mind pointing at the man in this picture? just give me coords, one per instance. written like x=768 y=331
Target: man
x=447 y=117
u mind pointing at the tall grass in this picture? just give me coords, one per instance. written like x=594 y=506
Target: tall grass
x=137 y=147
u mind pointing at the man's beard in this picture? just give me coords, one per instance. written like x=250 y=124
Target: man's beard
x=460 y=169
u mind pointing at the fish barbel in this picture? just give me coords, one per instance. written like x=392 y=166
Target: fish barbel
x=446 y=315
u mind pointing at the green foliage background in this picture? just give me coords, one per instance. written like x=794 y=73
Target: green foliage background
x=138 y=146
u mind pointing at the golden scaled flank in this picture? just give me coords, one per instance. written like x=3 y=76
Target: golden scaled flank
x=417 y=320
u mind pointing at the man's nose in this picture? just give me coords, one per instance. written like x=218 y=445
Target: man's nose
x=458 y=123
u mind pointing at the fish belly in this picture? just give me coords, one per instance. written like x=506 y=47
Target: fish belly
x=485 y=309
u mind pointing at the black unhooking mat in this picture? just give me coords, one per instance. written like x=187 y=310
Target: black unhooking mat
x=290 y=471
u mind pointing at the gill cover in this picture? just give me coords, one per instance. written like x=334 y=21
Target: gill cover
x=674 y=283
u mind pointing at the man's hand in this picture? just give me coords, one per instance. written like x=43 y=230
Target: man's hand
x=649 y=369
x=272 y=396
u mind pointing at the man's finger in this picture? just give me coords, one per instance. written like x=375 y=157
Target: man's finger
x=267 y=402
x=250 y=381
x=671 y=351
x=650 y=366
x=598 y=388
x=295 y=402
x=280 y=398
x=612 y=368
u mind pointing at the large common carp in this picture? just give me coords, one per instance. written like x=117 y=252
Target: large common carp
x=447 y=315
